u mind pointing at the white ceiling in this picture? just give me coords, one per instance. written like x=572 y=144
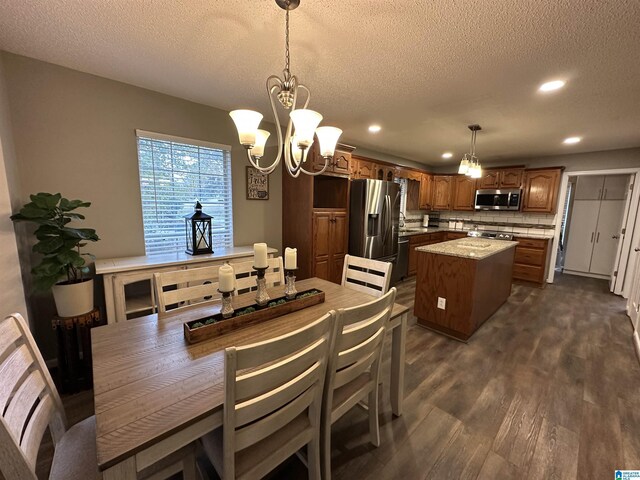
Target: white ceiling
x=423 y=69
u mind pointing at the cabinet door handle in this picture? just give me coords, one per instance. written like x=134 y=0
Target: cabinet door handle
x=598 y=237
x=615 y=237
x=605 y=194
x=592 y=233
x=637 y=249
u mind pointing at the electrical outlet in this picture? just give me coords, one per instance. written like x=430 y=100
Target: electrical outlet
x=442 y=303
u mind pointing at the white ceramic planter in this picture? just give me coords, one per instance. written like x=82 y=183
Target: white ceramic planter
x=74 y=299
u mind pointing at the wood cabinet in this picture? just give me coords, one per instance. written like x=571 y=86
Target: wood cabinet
x=330 y=241
x=530 y=262
x=363 y=169
x=426 y=191
x=338 y=165
x=441 y=192
x=455 y=235
x=500 y=178
x=416 y=241
x=385 y=172
x=464 y=193
x=540 y=190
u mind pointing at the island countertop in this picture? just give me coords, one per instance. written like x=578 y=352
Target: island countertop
x=470 y=247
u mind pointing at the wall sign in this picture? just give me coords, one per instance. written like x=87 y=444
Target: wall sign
x=257 y=184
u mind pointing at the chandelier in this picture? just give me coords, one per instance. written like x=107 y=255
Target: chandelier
x=303 y=123
x=470 y=165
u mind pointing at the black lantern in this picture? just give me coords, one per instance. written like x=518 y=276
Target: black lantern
x=198 y=232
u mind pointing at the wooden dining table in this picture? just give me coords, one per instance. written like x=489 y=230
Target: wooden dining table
x=155 y=393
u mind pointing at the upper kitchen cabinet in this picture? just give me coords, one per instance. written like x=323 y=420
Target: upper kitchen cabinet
x=441 y=188
x=362 y=168
x=425 y=198
x=464 y=193
x=500 y=178
x=338 y=165
x=385 y=172
x=540 y=190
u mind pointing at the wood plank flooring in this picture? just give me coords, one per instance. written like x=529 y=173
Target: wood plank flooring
x=547 y=388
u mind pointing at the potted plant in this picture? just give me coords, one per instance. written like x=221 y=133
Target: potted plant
x=63 y=268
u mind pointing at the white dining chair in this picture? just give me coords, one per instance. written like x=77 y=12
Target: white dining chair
x=29 y=403
x=272 y=403
x=246 y=275
x=366 y=275
x=354 y=368
x=182 y=288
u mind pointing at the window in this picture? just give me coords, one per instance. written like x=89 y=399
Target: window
x=174 y=173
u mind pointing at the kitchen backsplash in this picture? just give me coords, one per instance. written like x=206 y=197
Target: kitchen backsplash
x=511 y=222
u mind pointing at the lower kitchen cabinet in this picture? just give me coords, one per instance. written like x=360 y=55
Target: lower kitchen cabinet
x=330 y=240
x=420 y=241
x=530 y=263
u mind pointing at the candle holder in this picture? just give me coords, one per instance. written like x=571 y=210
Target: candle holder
x=262 y=297
x=290 y=289
x=227 y=308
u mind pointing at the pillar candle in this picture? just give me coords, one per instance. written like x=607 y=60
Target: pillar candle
x=226 y=278
x=290 y=258
x=260 y=255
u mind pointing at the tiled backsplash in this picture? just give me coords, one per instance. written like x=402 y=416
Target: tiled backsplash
x=512 y=222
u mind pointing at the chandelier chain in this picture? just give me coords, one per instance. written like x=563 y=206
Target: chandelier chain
x=286 y=43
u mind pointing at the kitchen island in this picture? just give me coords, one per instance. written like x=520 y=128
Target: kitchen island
x=461 y=283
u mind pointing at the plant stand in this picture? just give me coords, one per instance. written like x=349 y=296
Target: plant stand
x=74 y=350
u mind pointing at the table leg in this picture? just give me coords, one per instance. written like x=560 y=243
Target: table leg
x=125 y=470
x=398 y=340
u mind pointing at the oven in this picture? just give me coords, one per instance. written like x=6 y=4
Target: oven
x=503 y=199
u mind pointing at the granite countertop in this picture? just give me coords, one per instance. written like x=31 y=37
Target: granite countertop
x=474 y=248
x=423 y=230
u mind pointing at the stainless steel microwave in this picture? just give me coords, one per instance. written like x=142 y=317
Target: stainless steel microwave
x=503 y=199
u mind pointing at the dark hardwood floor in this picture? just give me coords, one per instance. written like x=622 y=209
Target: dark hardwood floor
x=547 y=388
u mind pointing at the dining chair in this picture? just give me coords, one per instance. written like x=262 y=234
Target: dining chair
x=354 y=368
x=366 y=275
x=183 y=288
x=272 y=403
x=29 y=403
x=246 y=275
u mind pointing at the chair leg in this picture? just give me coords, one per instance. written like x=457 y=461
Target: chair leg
x=374 y=428
x=325 y=436
x=189 y=467
x=314 y=459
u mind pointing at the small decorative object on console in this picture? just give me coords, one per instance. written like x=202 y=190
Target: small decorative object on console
x=198 y=232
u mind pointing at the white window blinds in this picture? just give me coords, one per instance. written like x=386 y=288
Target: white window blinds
x=174 y=173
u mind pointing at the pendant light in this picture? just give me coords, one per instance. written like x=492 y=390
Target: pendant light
x=470 y=164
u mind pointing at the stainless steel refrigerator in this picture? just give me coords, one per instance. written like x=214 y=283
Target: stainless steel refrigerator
x=374 y=216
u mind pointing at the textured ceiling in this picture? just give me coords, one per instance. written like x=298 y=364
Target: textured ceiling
x=421 y=69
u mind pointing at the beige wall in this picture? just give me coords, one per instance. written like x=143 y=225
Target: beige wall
x=626 y=158
x=12 y=298
x=74 y=133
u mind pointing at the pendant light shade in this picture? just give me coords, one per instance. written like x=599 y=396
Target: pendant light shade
x=470 y=165
x=261 y=140
x=305 y=122
x=247 y=122
x=328 y=138
x=464 y=166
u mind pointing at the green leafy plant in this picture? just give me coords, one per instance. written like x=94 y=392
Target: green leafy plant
x=59 y=243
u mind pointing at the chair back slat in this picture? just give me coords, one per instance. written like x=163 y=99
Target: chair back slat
x=356 y=333
x=273 y=385
x=29 y=401
x=12 y=372
x=258 y=381
x=23 y=402
x=352 y=355
x=36 y=426
x=265 y=404
x=357 y=368
x=256 y=431
x=192 y=294
x=246 y=275
x=366 y=275
x=267 y=351
x=9 y=335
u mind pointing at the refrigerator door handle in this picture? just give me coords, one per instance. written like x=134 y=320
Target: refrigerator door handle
x=387 y=218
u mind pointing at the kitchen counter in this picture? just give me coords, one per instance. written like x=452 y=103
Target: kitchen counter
x=461 y=283
x=411 y=231
x=470 y=247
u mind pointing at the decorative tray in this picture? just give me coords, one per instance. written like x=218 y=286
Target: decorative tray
x=213 y=326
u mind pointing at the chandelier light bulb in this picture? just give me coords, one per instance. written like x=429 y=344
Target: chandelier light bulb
x=328 y=138
x=247 y=122
x=305 y=122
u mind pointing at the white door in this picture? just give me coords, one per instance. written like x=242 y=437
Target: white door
x=589 y=187
x=582 y=233
x=623 y=251
x=607 y=237
x=633 y=304
x=615 y=187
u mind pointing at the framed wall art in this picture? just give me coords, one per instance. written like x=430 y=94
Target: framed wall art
x=257 y=184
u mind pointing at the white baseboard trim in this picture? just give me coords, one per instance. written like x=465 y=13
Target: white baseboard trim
x=585 y=274
x=636 y=344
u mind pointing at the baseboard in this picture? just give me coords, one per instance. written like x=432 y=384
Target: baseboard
x=636 y=344
x=586 y=274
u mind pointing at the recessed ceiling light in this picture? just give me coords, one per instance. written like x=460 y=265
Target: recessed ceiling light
x=551 y=86
x=572 y=140
x=447 y=155
x=375 y=128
